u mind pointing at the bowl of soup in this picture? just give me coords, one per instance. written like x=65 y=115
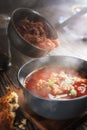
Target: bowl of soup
x=55 y=87
x=30 y=33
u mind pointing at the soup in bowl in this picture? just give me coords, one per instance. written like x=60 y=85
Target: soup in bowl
x=30 y=33
x=55 y=87
x=56 y=82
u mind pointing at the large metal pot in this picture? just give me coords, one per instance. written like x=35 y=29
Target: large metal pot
x=54 y=109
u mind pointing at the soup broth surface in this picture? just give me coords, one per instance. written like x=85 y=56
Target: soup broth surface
x=56 y=82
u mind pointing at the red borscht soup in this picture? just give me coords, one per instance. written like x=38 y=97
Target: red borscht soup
x=56 y=82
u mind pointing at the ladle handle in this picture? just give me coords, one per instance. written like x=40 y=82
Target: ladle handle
x=71 y=19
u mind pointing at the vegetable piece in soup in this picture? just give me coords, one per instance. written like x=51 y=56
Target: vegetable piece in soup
x=55 y=82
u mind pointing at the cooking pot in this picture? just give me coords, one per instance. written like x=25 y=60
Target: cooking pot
x=17 y=40
x=54 y=109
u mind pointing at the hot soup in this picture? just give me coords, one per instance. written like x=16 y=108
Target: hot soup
x=56 y=82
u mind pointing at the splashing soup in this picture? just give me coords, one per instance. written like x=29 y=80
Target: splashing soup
x=56 y=82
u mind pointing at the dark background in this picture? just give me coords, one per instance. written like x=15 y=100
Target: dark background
x=7 y=6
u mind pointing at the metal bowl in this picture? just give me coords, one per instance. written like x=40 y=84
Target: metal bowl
x=54 y=109
x=18 y=41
